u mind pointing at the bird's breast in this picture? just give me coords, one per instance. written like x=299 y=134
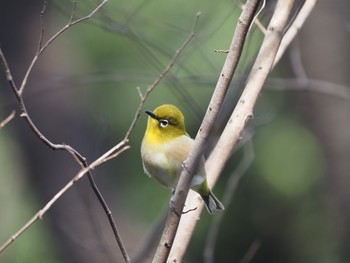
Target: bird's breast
x=163 y=161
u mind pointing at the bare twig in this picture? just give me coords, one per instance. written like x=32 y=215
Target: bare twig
x=249 y=255
x=7 y=71
x=42 y=26
x=256 y=20
x=314 y=85
x=7 y=119
x=119 y=148
x=294 y=28
x=296 y=61
x=74 y=9
x=182 y=188
x=24 y=114
x=76 y=155
x=115 y=151
x=71 y=23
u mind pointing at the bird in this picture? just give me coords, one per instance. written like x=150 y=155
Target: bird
x=165 y=146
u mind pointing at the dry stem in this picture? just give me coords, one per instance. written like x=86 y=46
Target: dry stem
x=112 y=153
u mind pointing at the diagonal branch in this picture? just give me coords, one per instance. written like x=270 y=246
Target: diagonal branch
x=4 y=122
x=76 y=155
x=258 y=75
x=182 y=188
x=238 y=120
x=118 y=149
x=86 y=169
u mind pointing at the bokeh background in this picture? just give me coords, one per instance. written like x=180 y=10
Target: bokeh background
x=291 y=205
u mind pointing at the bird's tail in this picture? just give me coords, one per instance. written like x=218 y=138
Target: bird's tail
x=212 y=203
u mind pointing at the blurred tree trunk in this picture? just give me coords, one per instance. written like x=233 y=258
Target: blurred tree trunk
x=324 y=43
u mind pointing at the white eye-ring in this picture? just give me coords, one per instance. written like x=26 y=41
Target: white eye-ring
x=163 y=123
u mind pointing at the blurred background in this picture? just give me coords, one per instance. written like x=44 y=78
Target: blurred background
x=292 y=203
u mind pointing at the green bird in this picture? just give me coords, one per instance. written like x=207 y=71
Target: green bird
x=165 y=146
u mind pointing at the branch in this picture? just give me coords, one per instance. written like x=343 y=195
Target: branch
x=238 y=120
x=249 y=255
x=182 y=188
x=294 y=28
x=119 y=148
x=7 y=119
x=261 y=68
x=315 y=85
x=42 y=48
x=76 y=155
x=256 y=20
x=112 y=153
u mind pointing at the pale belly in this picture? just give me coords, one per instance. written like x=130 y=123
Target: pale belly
x=164 y=163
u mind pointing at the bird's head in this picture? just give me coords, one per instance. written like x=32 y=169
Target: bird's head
x=165 y=123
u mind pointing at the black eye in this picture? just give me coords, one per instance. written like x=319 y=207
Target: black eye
x=163 y=123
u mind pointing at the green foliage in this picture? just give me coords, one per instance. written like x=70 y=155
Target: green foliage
x=280 y=201
x=18 y=204
x=289 y=158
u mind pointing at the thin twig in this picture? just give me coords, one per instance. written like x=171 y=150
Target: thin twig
x=256 y=20
x=119 y=148
x=115 y=151
x=74 y=9
x=296 y=61
x=150 y=88
x=42 y=33
x=294 y=28
x=77 y=156
x=106 y=208
x=182 y=188
x=7 y=119
x=249 y=255
x=314 y=85
x=63 y=29
x=7 y=71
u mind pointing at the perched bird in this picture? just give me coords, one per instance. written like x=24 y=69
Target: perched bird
x=165 y=146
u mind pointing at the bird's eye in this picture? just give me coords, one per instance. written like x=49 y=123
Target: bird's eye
x=163 y=123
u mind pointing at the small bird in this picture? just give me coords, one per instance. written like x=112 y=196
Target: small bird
x=165 y=146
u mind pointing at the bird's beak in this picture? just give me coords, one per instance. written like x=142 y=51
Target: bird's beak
x=151 y=114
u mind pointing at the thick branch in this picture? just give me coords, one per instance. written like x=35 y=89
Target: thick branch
x=179 y=197
x=261 y=68
x=241 y=114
